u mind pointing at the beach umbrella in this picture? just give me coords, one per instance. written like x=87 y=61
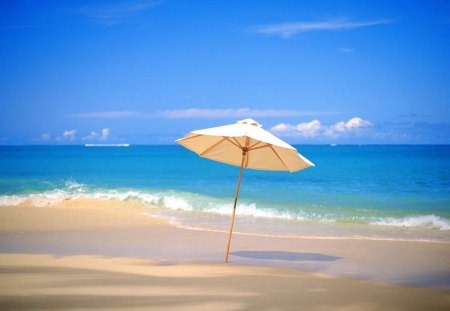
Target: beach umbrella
x=247 y=145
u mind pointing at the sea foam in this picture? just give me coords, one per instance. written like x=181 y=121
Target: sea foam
x=425 y=221
x=250 y=210
x=191 y=202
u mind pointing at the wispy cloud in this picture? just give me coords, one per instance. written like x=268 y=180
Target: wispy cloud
x=287 y=30
x=346 y=50
x=45 y=137
x=195 y=113
x=112 y=14
x=315 y=128
x=107 y=114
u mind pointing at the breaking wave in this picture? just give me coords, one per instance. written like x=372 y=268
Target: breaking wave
x=425 y=221
x=191 y=202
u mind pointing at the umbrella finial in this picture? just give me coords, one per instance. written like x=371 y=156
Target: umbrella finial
x=250 y=122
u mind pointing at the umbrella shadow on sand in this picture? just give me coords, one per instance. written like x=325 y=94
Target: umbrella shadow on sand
x=287 y=256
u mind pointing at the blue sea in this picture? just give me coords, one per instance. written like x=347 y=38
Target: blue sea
x=367 y=191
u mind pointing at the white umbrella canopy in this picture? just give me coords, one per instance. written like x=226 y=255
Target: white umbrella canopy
x=247 y=145
x=264 y=150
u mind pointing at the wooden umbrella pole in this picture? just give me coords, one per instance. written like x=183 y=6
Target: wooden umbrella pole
x=244 y=153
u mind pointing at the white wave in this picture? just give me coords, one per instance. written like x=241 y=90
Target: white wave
x=158 y=199
x=72 y=185
x=38 y=200
x=176 y=203
x=249 y=210
x=77 y=191
x=42 y=200
x=426 y=221
x=11 y=200
x=189 y=202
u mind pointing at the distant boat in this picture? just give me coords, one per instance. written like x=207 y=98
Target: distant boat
x=333 y=145
x=107 y=145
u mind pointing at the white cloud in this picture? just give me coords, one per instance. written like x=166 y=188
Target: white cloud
x=287 y=30
x=105 y=134
x=351 y=126
x=353 y=123
x=309 y=129
x=195 y=113
x=316 y=129
x=94 y=135
x=67 y=135
x=107 y=114
x=283 y=128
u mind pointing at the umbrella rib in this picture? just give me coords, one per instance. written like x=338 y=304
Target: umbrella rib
x=189 y=137
x=271 y=147
x=212 y=146
x=228 y=139
x=240 y=146
x=257 y=143
x=265 y=146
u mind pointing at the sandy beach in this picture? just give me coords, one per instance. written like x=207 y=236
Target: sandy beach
x=103 y=254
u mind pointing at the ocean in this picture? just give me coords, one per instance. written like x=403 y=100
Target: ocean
x=399 y=192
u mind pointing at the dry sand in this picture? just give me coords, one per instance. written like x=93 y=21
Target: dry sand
x=103 y=255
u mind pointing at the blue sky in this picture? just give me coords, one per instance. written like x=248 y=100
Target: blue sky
x=148 y=72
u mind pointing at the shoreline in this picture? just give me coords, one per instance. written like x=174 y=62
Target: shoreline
x=257 y=225
x=309 y=237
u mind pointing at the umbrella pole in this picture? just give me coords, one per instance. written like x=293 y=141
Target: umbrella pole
x=244 y=153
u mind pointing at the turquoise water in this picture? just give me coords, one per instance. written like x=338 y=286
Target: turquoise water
x=376 y=187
